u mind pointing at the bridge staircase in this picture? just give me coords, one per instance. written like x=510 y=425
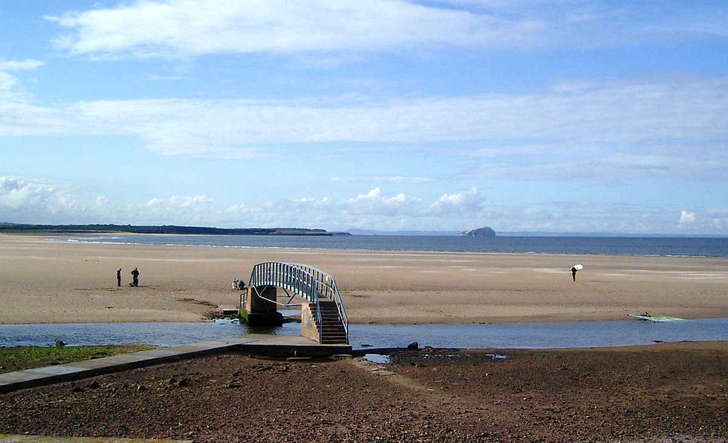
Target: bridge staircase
x=331 y=327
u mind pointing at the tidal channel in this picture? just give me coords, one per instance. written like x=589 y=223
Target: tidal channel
x=485 y=336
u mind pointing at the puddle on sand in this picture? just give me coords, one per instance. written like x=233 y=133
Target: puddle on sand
x=377 y=358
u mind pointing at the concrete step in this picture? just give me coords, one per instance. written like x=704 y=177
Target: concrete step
x=228 y=310
x=334 y=342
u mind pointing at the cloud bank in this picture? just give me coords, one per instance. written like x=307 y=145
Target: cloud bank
x=183 y=28
x=25 y=201
x=669 y=128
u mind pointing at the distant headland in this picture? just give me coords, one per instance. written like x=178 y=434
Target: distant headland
x=164 y=229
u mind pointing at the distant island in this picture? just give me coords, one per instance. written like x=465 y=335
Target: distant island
x=482 y=231
x=164 y=229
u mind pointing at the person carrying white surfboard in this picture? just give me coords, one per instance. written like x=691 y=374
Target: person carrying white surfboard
x=574 y=269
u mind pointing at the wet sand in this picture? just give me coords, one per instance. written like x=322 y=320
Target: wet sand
x=54 y=282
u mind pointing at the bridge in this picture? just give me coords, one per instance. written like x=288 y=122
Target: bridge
x=323 y=316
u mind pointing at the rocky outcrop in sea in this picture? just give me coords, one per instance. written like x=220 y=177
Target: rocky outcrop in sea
x=482 y=231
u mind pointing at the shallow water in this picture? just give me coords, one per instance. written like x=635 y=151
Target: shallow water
x=539 y=335
x=500 y=336
x=161 y=334
x=634 y=246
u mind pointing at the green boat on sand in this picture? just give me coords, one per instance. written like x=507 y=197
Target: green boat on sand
x=655 y=318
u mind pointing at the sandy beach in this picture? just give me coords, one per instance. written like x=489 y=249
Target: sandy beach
x=44 y=281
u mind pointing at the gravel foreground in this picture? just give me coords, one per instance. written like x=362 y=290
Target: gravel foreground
x=660 y=393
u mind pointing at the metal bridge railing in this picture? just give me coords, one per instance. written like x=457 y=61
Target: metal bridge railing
x=310 y=283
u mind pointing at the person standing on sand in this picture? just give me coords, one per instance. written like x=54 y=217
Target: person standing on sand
x=573 y=272
x=135 y=277
x=118 y=277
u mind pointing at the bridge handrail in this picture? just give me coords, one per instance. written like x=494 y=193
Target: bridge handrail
x=308 y=282
x=330 y=291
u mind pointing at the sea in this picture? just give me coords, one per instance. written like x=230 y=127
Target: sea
x=577 y=245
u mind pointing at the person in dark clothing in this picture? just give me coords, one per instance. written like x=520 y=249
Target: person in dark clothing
x=573 y=272
x=118 y=277
x=135 y=277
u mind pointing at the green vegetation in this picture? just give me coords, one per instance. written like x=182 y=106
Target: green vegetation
x=19 y=358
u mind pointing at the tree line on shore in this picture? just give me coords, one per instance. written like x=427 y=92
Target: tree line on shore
x=163 y=229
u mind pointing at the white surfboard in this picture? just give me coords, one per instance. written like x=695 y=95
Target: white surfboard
x=577 y=267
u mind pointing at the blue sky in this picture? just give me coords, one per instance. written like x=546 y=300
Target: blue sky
x=541 y=115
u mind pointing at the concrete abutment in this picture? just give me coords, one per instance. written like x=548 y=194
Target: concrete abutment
x=259 y=308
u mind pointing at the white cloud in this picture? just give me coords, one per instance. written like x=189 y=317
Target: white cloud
x=48 y=202
x=39 y=201
x=22 y=65
x=201 y=150
x=375 y=203
x=375 y=208
x=708 y=221
x=196 y=203
x=395 y=179
x=719 y=222
x=179 y=28
x=24 y=201
x=686 y=219
x=668 y=128
x=645 y=111
x=468 y=202
x=195 y=210
x=188 y=28
x=630 y=129
x=9 y=83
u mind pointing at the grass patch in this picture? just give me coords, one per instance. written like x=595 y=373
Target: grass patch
x=18 y=358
